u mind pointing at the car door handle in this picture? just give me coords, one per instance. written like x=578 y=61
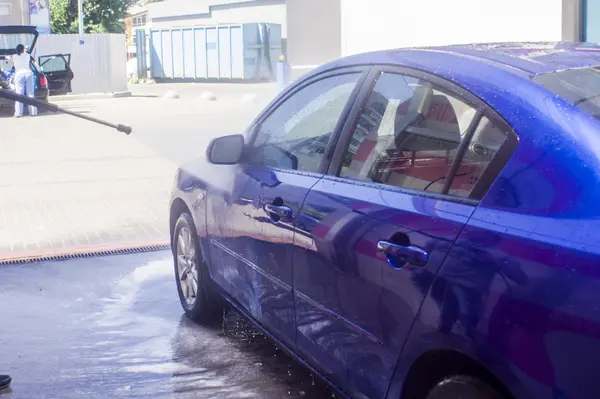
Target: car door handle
x=279 y=212
x=399 y=255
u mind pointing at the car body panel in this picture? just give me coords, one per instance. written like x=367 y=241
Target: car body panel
x=250 y=252
x=517 y=292
x=355 y=306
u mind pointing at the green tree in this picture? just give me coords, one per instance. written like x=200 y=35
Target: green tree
x=99 y=16
x=62 y=18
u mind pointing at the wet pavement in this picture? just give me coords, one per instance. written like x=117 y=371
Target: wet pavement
x=113 y=327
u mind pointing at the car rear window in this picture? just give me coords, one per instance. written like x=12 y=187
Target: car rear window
x=579 y=86
x=9 y=41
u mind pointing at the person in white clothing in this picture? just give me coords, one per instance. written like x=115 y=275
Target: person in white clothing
x=24 y=81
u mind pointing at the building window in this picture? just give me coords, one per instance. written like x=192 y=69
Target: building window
x=139 y=21
x=4 y=10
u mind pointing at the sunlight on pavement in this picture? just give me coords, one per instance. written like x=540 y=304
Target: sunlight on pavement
x=68 y=185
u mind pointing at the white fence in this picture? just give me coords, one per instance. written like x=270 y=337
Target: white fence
x=98 y=61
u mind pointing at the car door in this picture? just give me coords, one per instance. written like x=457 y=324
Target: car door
x=251 y=228
x=372 y=234
x=57 y=68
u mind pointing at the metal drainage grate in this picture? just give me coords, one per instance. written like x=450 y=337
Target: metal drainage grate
x=89 y=254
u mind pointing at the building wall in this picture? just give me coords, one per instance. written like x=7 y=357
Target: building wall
x=384 y=24
x=184 y=13
x=314 y=33
x=17 y=10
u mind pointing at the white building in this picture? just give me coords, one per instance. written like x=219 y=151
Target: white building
x=26 y=12
x=186 y=13
x=344 y=27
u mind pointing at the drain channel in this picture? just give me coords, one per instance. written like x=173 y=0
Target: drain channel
x=85 y=254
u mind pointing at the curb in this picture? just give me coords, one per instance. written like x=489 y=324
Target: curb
x=90 y=96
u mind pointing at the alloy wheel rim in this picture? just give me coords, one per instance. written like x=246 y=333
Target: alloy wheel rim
x=187 y=267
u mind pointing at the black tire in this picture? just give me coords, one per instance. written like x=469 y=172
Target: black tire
x=463 y=387
x=206 y=306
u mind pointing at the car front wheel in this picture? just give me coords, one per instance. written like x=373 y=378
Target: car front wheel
x=195 y=287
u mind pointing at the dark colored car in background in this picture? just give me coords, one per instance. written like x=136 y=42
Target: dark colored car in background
x=53 y=74
x=415 y=224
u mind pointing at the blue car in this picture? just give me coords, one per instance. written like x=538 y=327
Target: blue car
x=415 y=224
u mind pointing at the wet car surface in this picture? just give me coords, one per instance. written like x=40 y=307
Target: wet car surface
x=113 y=327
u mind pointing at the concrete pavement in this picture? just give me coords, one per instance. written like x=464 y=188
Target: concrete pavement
x=223 y=91
x=67 y=184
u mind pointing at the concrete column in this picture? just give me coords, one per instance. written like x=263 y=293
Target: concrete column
x=572 y=20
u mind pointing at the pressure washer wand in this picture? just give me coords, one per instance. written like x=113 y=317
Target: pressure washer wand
x=55 y=108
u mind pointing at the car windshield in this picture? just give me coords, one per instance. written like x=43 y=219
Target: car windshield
x=581 y=87
x=9 y=41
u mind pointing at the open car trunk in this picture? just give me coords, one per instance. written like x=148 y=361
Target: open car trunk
x=13 y=35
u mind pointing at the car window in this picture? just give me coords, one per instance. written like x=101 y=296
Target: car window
x=53 y=63
x=295 y=135
x=408 y=135
x=485 y=143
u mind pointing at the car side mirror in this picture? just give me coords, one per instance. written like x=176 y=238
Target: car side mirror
x=226 y=150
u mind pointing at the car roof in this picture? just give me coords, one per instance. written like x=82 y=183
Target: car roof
x=523 y=58
x=535 y=58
